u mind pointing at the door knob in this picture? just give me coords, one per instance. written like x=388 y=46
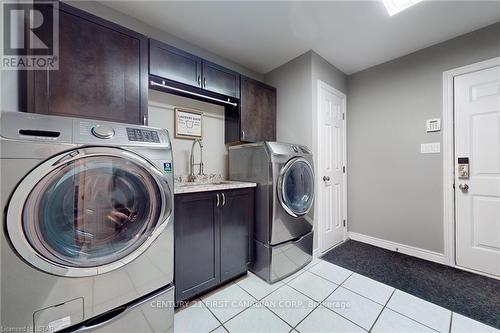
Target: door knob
x=463 y=187
x=326 y=178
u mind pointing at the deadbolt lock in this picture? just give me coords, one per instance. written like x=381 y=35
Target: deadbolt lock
x=463 y=168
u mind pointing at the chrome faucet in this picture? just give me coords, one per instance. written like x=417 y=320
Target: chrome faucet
x=201 y=158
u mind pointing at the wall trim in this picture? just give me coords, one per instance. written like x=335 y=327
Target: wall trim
x=449 y=152
x=397 y=247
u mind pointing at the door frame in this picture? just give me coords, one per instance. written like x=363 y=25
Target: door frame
x=316 y=151
x=449 y=158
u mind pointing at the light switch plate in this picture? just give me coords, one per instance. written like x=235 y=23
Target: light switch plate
x=430 y=148
x=433 y=125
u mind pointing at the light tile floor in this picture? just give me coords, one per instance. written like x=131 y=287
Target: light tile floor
x=322 y=297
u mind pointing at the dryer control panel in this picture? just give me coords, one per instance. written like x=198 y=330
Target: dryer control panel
x=142 y=135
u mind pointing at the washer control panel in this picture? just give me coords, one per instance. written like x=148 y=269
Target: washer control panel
x=142 y=135
x=103 y=131
x=100 y=132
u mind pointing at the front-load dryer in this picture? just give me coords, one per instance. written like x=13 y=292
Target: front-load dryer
x=87 y=237
x=284 y=204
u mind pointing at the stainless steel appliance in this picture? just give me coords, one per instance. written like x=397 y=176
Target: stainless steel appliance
x=284 y=201
x=87 y=242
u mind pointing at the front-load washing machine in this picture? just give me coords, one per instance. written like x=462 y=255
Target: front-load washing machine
x=87 y=236
x=284 y=204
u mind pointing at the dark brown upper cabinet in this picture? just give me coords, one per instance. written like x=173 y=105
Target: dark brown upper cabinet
x=220 y=80
x=255 y=118
x=171 y=63
x=177 y=66
x=103 y=71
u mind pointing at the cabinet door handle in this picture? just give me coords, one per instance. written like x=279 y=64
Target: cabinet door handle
x=223 y=199
x=144 y=120
x=204 y=82
x=242 y=135
x=199 y=80
x=218 y=200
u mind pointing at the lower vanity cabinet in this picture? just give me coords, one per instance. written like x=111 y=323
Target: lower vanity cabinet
x=236 y=222
x=197 y=235
x=212 y=239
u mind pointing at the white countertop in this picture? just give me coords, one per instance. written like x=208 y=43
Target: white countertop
x=224 y=185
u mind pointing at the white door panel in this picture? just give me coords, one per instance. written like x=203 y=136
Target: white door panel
x=331 y=127
x=477 y=136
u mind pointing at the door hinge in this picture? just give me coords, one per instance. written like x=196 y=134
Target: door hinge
x=343 y=169
x=343 y=116
x=345 y=223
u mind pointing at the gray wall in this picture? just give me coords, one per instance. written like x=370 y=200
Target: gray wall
x=324 y=71
x=394 y=192
x=296 y=82
x=294 y=99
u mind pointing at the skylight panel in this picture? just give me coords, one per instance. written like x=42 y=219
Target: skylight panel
x=395 y=6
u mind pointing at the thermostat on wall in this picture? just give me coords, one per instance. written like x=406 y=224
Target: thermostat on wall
x=433 y=125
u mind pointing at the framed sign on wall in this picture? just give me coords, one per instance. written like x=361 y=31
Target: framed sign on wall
x=188 y=124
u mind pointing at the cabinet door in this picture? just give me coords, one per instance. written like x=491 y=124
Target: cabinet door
x=197 y=237
x=258 y=111
x=237 y=209
x=171 y=63
x=102 y=71
x=220 y=80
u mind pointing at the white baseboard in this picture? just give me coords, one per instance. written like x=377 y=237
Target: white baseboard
x=406 y=249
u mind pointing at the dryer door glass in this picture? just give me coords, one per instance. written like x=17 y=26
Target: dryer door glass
x=297 y=187
x=92 y=211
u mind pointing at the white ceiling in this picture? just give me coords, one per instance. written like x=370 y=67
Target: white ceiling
x=351 y=35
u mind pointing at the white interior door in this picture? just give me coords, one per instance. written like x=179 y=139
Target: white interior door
x=477 y=197
x=331 y=160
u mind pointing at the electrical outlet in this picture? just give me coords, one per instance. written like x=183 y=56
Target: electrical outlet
x=430 y=148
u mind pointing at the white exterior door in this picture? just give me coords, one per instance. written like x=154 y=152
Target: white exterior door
x=331 y=160
x=477 y=196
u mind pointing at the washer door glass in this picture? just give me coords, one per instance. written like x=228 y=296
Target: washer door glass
x=297 y=187
x=92 y=211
